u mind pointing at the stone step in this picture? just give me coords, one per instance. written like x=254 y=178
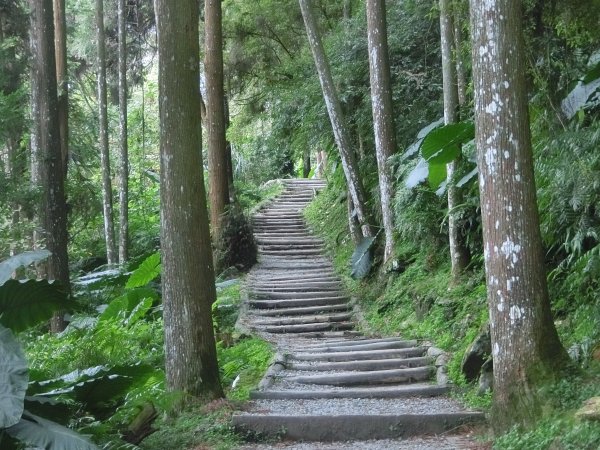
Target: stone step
x=292 y=303
x=299 y=320
x=293 y=295
x=308 y=328
x=373 y=364
x=301 y=310
x=374 y=377
x=402 y=391
x=368 y=345
x=362 y=355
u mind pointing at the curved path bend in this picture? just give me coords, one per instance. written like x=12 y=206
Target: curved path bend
x=331 y=387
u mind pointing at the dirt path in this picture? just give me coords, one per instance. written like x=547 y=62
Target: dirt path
x=330 y=387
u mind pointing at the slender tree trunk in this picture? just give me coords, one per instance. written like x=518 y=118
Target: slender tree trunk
x=123 y=149
x=306 y=163
x=353 y=225
x=347 y=9
x=188 y=281
x=215 y=116
x=334 y=109
x=107 y=202
x=459 y=254
x=461 y=77
x=383 y=114
x=53 y=207
x=525 y=344
x=60 y=48
x=228 y=153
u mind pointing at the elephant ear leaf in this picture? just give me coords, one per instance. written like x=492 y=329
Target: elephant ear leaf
x=25 y=304
x=8 y=266
x=362 y=258
x=13 y=379
x=42 y=433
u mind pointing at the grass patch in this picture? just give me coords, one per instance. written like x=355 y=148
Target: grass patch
x=198 y=427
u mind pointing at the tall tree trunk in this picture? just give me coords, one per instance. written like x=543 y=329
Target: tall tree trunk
x=525 y=344
x=459 y=254
x=123 y=149
x=461 y=76
x=306 y=163
x=107 y=202
x=228 y=152
x=383 y=114
x=53 y=207
x=334 y=110
x=215 y=115
x=60 y=48
x=188 y=281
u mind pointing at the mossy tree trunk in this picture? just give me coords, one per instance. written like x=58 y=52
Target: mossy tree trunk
x=188 y=281
x=383 y=114
x=49 y=167
x=459 y=254
x=334 y=109
x=525 y=345
x=123 y=148
x=107 y=201
x=215 y=116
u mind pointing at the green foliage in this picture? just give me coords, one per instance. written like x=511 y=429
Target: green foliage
x=147 y=271
x=243 y=365
x=24 y=304
x=197 y=427
x=235 y=247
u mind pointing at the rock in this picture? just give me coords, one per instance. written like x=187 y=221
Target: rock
x=434 y=352
x=590 y=410
x=486 y=379
x=442 y=360
x=477 y=353
x=441 y=376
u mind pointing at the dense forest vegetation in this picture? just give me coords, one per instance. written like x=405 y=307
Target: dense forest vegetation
x=439 y=127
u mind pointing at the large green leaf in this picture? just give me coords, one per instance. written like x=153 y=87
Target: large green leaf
x=95 y=387
x=8 y=266
x=592 y=74
x=362 y=258
x=25 y=304
x=437 y=175
x=122 y=307
x=41 y=433
x=147 y=271
x=61 y=412
x=13 y=379
x=442 y=145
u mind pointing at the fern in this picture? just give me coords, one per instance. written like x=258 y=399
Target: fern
x=147 y=271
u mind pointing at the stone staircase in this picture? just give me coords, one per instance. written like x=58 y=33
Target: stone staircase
x=328 y=382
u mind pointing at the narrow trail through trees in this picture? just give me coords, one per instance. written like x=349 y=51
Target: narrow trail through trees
x=329 y=382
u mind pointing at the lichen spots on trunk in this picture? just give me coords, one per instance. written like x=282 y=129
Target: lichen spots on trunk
x=525 y=346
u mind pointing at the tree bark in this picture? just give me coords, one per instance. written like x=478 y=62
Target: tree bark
x=107 y=202
x=49 y=173
x=123 y=148
x=383 y=114
x=461 y=77
x=459 y=254
x=188 y=281
x=60 y=48
x=336 y=117
x=306 y=163
x=215 y=115
x=525 y=345
x=228 y=152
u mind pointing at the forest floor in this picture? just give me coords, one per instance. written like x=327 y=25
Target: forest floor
x=330 y=385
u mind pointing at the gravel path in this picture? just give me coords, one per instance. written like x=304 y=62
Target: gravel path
x=351 y=396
